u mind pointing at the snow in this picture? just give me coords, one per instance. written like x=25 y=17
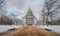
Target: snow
x=6 y=27
x=55 y=28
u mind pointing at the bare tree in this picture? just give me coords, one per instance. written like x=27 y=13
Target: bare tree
x=3 y=11
x=2 y=7
x=43 y=15
x=6 y=20
x=49 y=7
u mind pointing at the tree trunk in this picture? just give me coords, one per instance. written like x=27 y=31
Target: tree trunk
x=43 y=20
x=47 y=17
x=47 y=20
x=51 y=17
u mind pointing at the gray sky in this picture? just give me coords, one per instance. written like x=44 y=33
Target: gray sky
x=21 y=6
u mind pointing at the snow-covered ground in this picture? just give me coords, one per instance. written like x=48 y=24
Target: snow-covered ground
x=55 y=28
x=6 y=27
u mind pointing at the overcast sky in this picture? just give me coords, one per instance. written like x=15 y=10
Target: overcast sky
x=21 y=6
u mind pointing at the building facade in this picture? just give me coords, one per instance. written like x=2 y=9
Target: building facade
x=30 y=18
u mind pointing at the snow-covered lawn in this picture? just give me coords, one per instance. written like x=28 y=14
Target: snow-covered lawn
x=6 y=27
x=55 y=28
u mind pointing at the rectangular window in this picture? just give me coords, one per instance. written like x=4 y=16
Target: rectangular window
x=29 y=20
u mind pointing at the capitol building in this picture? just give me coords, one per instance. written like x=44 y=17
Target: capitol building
x=29 y=18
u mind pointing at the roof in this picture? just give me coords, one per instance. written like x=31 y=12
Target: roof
x=29 y=14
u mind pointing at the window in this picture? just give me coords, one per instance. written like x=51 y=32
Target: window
x=30 y=20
